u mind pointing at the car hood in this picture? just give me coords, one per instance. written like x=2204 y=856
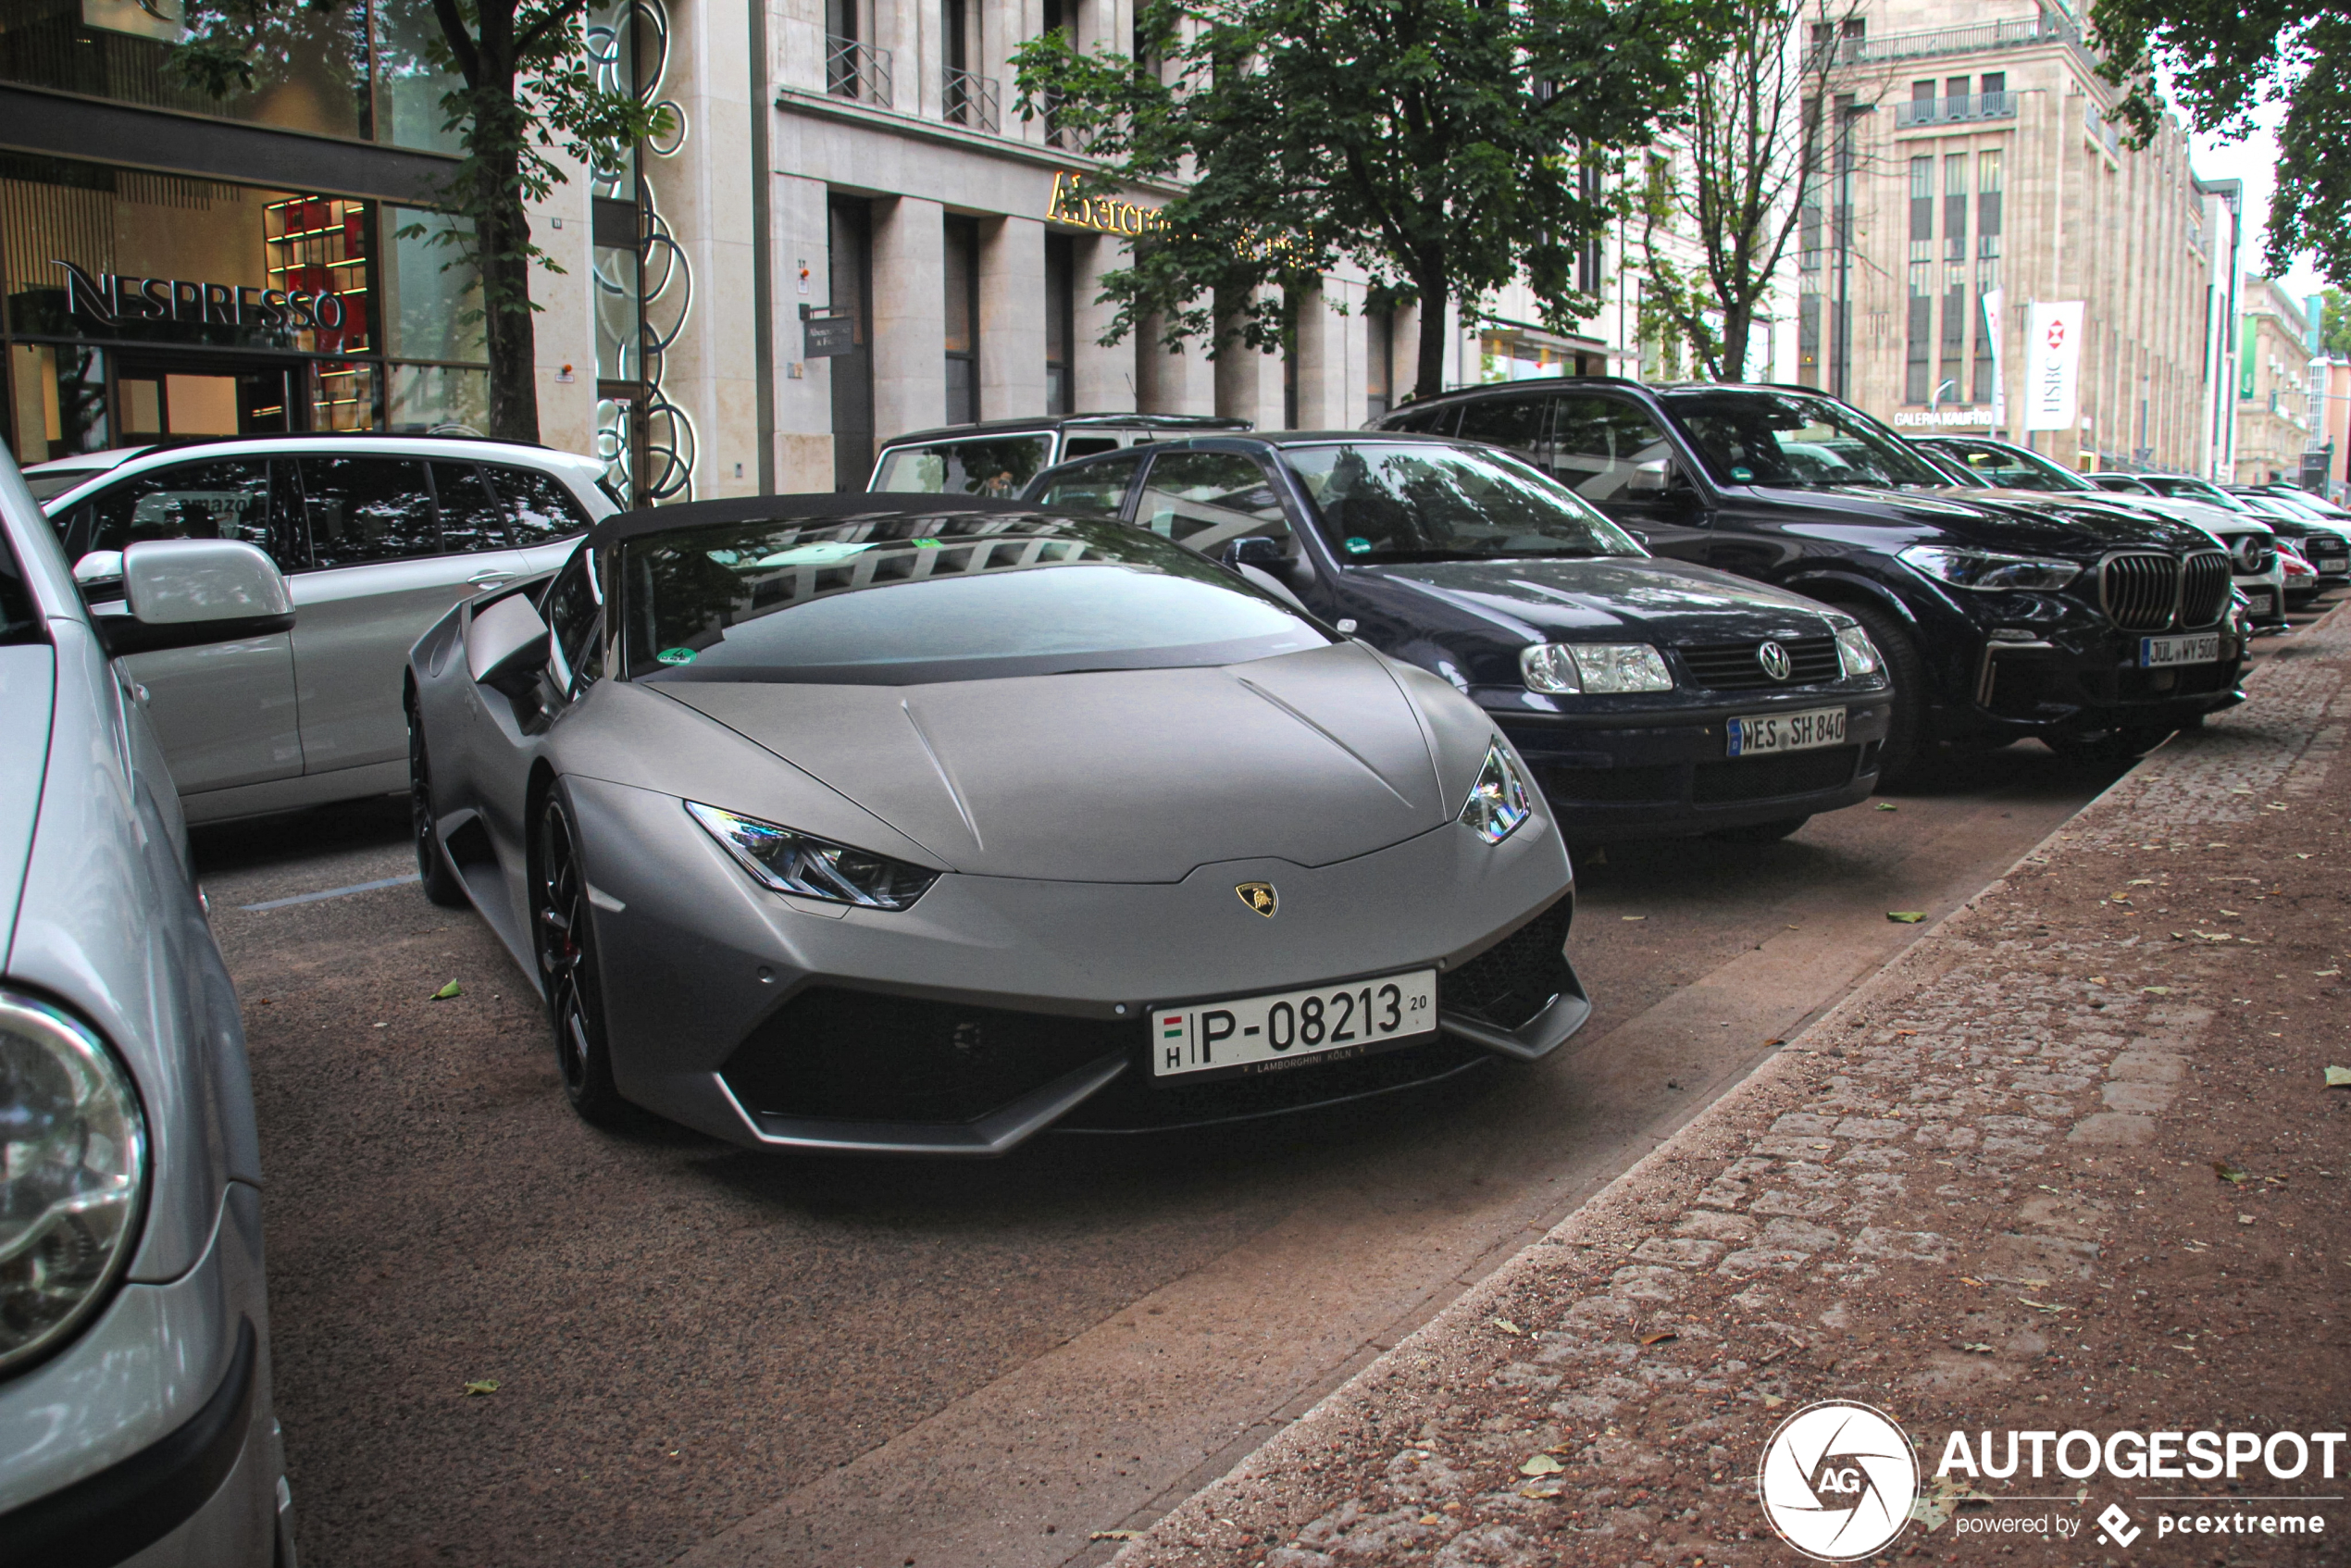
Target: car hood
x=2215 y=520
x=1637 y=599
x=2015 y=522
x=1119 y=776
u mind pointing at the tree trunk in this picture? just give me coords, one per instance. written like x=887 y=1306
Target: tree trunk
x=1430 y=378
x=1737 y=322
x=501 y=244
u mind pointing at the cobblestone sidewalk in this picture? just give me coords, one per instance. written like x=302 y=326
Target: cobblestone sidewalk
x=1981 y=1194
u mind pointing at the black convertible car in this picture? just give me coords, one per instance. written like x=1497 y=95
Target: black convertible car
x=1652 y=698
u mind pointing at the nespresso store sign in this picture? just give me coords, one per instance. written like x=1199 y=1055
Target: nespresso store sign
x=112 y=300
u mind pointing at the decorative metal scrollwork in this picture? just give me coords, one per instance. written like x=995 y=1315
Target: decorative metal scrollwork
x=646 y=313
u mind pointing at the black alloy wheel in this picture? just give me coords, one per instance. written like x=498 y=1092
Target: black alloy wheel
x=563 y=929
x=1906 y=726
x=433 y=869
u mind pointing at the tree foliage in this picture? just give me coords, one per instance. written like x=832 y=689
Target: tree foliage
x=2335 y=324
x=526 y=94
x=1438 y=146
x=1719 y=205
x=2227 y=60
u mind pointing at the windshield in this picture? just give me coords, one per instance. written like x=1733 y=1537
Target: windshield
x=893 y=601
x=1795 y=442
x=999 y=467
x=2010 y=467
x=2183 y=487
x=57 y=481
x=1411 y=501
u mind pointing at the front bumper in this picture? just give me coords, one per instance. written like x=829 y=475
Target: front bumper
x=168 y=1451
x=1615 y=777
x=996 y=1007
x=2072 y=684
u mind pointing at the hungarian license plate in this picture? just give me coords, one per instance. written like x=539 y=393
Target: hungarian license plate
x=2258 y=602
x=1786 y=732
x=2204 y=647
x=1262 y=1034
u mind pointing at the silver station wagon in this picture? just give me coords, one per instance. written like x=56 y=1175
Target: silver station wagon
x=378 y=535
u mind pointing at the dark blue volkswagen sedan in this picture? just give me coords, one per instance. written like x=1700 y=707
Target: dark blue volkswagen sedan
x=1653 y=698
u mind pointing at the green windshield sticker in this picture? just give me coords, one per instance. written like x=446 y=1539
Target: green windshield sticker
x=1359 y=546
x=675 y=655
x=926 y=544
x=1742 y=473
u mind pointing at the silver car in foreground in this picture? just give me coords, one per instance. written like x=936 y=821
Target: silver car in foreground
x=135 y=1417
x=875 y=823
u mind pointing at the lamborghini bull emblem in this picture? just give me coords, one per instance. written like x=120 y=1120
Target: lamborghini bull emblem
x=1261 y=897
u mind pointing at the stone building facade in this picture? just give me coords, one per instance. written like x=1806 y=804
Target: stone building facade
x=1971 y=154
x=2275 y=415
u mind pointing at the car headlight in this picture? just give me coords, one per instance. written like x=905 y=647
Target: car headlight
x=793 y=862
x=1985 y=569
x=1498 y=800
x=73 y=1175
x=1856 y=655
x=1597 y=668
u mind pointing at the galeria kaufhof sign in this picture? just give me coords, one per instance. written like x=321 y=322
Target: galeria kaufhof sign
x=178 y=310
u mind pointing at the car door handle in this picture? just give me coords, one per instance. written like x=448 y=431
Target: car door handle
x=488 y=579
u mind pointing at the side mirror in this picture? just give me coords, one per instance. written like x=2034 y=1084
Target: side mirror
x=1256 y=549
x=507 y=646
x=186 y=593
x=99 y=569
x=1653 y=479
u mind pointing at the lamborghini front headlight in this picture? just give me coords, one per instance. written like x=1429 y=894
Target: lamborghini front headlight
x=793 y=862
x=1500 y=801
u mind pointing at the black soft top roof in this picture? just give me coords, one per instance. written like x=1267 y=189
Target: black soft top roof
x=821 y=509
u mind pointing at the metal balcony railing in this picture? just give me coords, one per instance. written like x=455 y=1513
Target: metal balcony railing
x=972 y=101
x=1955 y=110
x=2014 y=34
x=856 y=70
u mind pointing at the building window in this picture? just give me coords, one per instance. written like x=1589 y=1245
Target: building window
x=1379 y=363
x=961 y=271
x=1987 y=203
x=1955 y=194
x=1061 y=325
x=1919 y=355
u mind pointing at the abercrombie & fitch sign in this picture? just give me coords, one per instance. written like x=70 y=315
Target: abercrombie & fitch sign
x=113 y=299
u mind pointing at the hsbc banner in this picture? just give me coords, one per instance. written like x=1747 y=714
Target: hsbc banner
x=2053 y=365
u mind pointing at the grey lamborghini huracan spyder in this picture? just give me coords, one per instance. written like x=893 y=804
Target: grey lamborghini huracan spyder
x=862 y=822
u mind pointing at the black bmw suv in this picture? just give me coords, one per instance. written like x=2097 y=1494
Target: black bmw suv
x=2092 y=629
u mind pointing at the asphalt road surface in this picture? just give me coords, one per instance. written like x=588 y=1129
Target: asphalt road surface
x=708 y=1355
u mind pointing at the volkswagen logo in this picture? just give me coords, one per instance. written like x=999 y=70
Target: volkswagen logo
x=1774 y=660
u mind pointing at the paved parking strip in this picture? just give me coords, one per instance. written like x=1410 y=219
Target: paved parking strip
x=706 y=1353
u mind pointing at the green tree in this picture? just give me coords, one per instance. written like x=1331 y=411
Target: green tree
x=1718 y=204
x=2335 y=324
x=2227 y=59
x=526 y=92
x=1444 y=147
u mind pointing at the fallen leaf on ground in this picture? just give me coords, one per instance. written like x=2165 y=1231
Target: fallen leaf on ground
x=1542 y=1464
x=2155 y=990
x=1432 y=1518
x=482 y=1385
x=2338 y=1077
x=1660 y=1337
x=1965 y=1280
x=1542 y=1490
x=445 y=992
x=2244 y=1219
x=1979 y=1348
x=2227 y=1172
x=1632 y=918
x=1905 y=916
x=1887 y=805
x=2043 y=1306
x=1507 y=1326
x=1772 y=1402
x=1113 y=1535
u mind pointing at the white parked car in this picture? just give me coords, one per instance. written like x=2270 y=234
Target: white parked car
x=378 y=535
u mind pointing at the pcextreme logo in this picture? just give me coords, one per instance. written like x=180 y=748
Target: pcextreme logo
x=1838 y=1480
